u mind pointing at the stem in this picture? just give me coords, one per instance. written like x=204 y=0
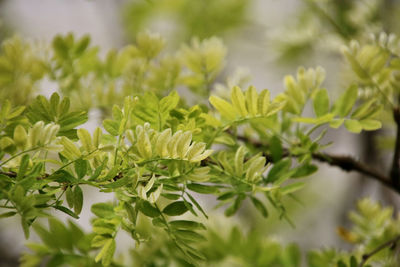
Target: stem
x=19 y=154
x=395 y=171
x=346 y=163
x=388 y=244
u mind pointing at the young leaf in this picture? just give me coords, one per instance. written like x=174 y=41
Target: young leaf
x=238 y=101
x=111 y=126
x=239 y=158
x=370 y=125
x=345 y=103
x=353 y=126
x=224 y=108
x=321 y=103
x=107 y=252
x=252 y=100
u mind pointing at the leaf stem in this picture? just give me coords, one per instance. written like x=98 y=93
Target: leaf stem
x=19 y=154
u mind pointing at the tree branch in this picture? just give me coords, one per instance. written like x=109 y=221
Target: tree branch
x=395 y=171
x=346 y=163
x=389 y=244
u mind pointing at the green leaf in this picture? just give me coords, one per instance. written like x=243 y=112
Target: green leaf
x=111 y=126
x=169 y=102
x=54 y=102
x=23 y=167
x=147 y=209
x=132 y=214
x=69 y=195
x=60 y=234
x=353 y=126
x=107 y=252
x=226 y=195
x=238 y=101
x=239 y=159
x=78 y=199
x=60 y=47
x=321 y=103
x=45 y=236
x=235 y=206
x=353 y=261
x=202 y=189
x=291 y=188
x=197 y=205
x=278 y=169
x=305 y=170
x=103 y=210
x=189 y=236
x=292 y=255
x=99 y=241
x=119 y=183
x=80 y=166
x=171 y=196
x=62 y=176
x=188 y=225
x=345 y=103
x=72 y=120
x=336 y=123
x=259 y=206
x=7 y=214
x=175 y=208
x=67 y=211
x=224 y=108
x=275 y=146
x=370 y=125
x=82 y=44
x=98 y=170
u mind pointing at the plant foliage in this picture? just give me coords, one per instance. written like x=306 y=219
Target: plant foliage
x=157 y=154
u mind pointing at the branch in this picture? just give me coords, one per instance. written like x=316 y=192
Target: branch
x=389 y=244
x=395 y=171
x=346 y=163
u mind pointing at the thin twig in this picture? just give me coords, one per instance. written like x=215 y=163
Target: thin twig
x=388 y=244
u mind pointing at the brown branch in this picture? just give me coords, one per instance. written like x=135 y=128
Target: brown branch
x=346 y=163
x=389 y=244
x=395 y=171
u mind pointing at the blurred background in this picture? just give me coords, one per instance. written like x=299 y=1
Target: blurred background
x=265 y=40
